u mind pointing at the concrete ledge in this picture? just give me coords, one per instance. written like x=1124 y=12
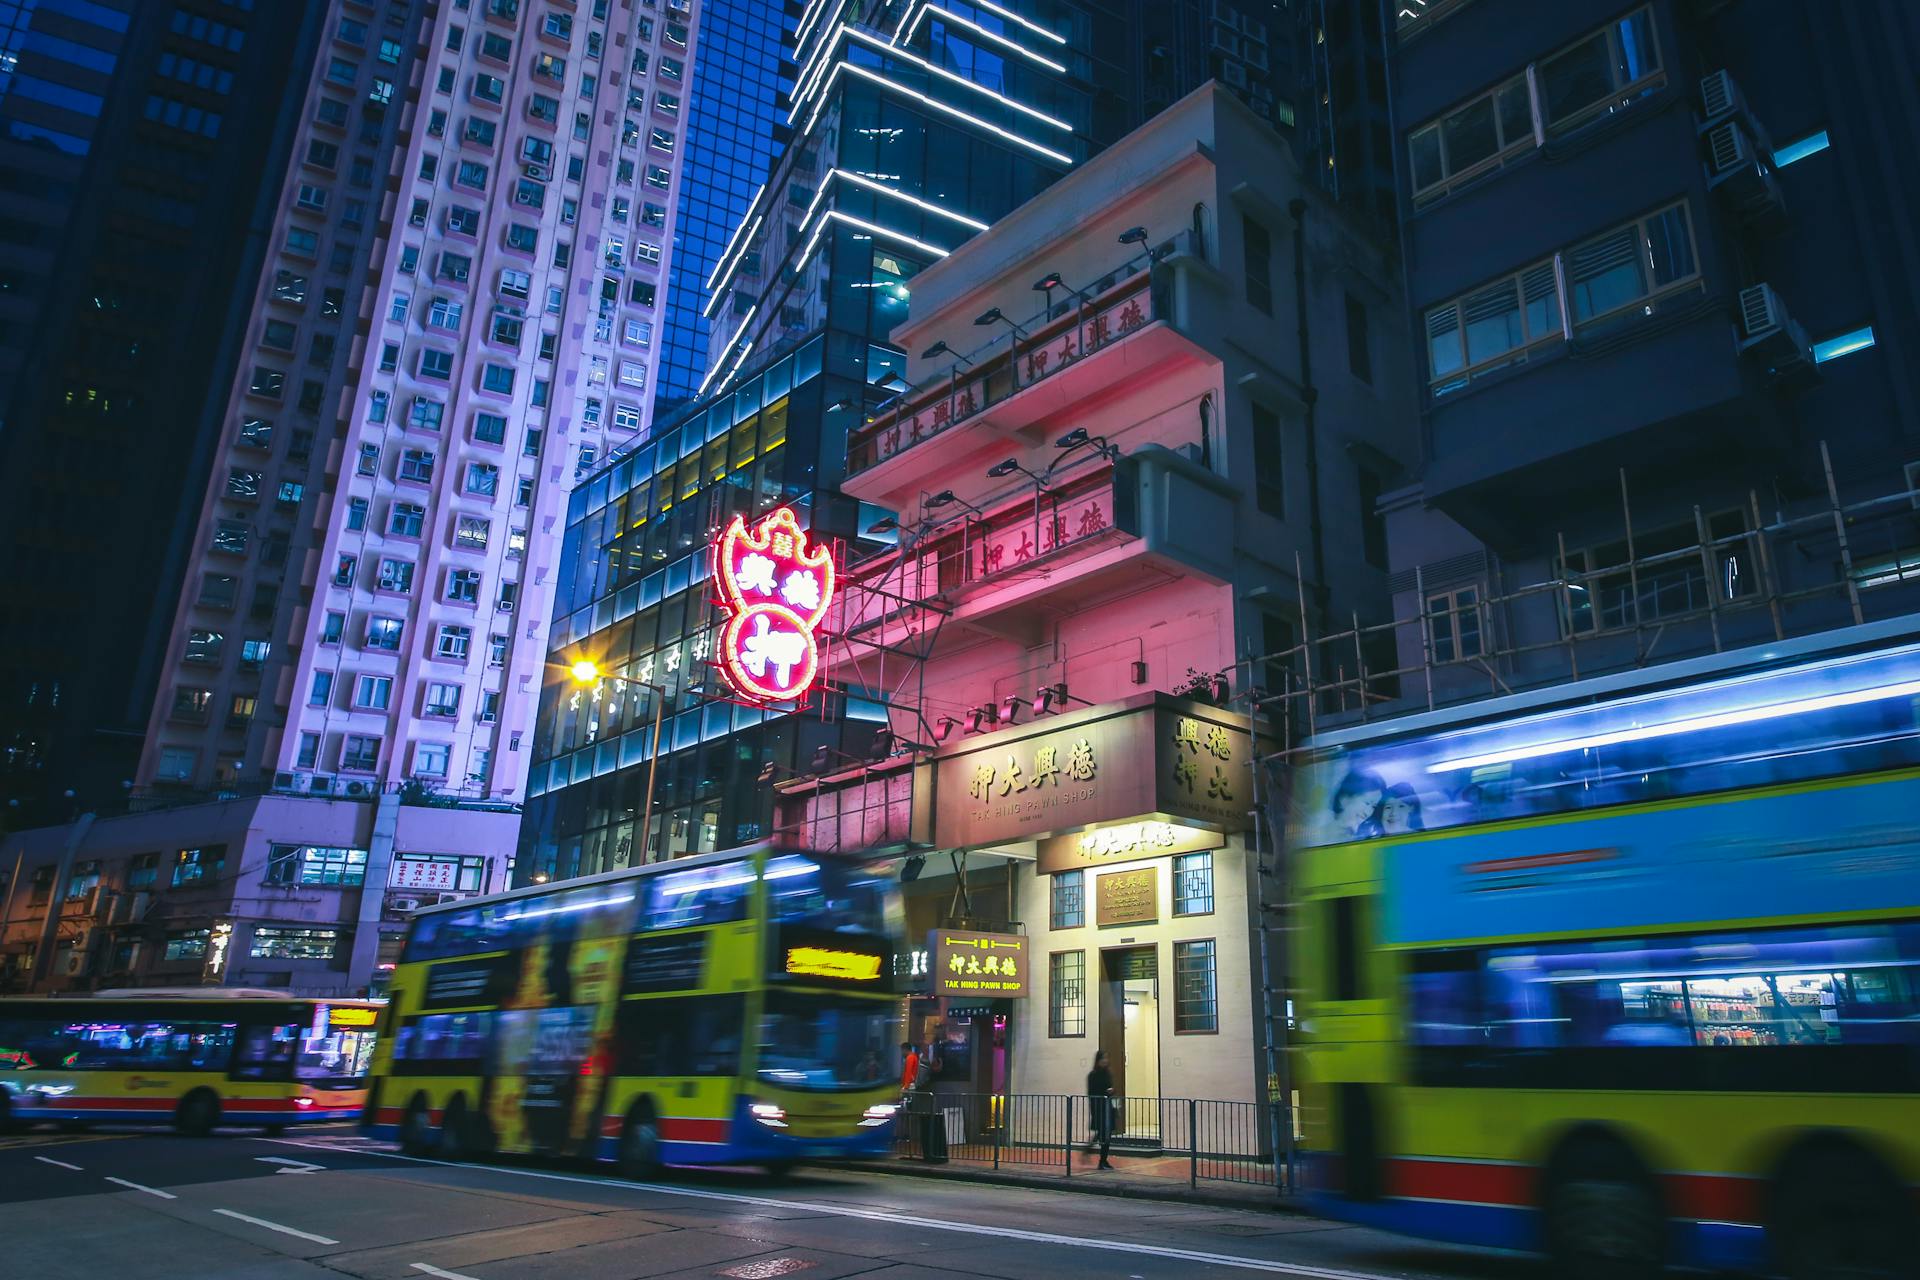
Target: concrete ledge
x=1222 y=1194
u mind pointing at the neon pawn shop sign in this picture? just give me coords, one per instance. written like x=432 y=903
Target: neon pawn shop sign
x=774 y=589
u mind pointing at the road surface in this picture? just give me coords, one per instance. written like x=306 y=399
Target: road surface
x=325 y=1203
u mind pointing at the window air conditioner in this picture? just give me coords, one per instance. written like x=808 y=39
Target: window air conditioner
x=1729 y=147
x=538 y=172
x=1720 y=97
x=357 y=788
x=1771 y=335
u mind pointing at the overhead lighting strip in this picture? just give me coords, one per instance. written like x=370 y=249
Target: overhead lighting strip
x=732 y=240
x=810 y=66
x=887 y=50
x=814 y=9
x=958 y=114
x=744 y=322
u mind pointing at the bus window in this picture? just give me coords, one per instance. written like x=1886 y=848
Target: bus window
x=716 y=894
x=830 y=897
x=146 y=1045
x=1343 y=941
x=442 y=1044
x=827 y=1042
x=695 y=1036
x=266 y=1051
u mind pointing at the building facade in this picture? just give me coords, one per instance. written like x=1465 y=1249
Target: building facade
x=1101 y=515
x=130 y=235
x=1667 y=409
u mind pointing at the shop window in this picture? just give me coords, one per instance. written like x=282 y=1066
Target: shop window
x=1193 y=884
x=1067 y=994
x=1069 y=893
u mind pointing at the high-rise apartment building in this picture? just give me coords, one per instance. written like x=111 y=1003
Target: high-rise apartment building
x=1668 y=409
x=130 y=233
x=456 y=315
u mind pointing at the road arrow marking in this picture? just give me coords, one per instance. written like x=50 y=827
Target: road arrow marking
x=298 y=1166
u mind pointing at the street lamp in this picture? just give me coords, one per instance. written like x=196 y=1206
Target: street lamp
x=1001 y=470
x=947 y=498
x=1051 y=281
x=588 y=673
x=993 y=315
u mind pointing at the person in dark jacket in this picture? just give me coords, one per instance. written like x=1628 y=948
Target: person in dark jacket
x=1100 y=1106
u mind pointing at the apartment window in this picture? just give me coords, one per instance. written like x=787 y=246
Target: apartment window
x=1667 y=579
x=522 y=237
x=1454 y=625
x=191 y=704
x=444 y=313
x=253 y=654
x=463 y=586
x=369 y=463
x=1193 y=884
x=1067 y=894
x=509 y=597
x=1471 y=139
x=276 y=942
x=633 y=373
x=462 y=221
x=436 y=364
x=1492 y=327
x=497 y=378
x=552 y=66
x=290 y=493
x=389 y=357
x=470 y=533
x=626 y=417
x=357 y=513
x=1195 y=1006
x=658 y=177
x=243 y=484
x=396 y=576
x=489 y=706
x=377 y=403
x=1359 y=347
x=1067 y=994
x=1626 y=266
x=197 y=866
x=384 y=633
x=270 y=383
x=332 y=627
x=309 y=751
x=558 y=25
x=230 y=537
x=523 y=491
x=188 y=944
x=322 y=154
x=425 y=414
x=515 y=284
x=203 y=647
x=488 y=88
x=530 y=445
x=543 y=108
x=443 y=699
x=373 y=693
x=289 y=864
x=240 y=710
x=343 y=570
x=455 y=266
x=1373 y=525
x=417 y=465
x=430 y=759
x=516 y=543
x=1269 y=461
x=360 y=752
x=218 y=591
x=143 y=871
x=1600 y=74
x=496 y=650
x=471 y=173
x=1257 y=243
x=322 y=691
x=483 y=478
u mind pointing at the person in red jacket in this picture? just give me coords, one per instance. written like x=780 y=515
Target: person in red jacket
x=910 y=1071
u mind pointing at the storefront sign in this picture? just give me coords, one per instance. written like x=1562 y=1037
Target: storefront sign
x=423 y=873
x=1123 y=842
x=978 y=964
x=1153 y=759
x=774 y=588
x=969 y=1011
x=1127 y=897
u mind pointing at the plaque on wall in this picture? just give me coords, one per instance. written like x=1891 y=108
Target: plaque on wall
x=1127 y=897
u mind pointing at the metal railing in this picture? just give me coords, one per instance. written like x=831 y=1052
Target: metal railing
x=1191 y=1140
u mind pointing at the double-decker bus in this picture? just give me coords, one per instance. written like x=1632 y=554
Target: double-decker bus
x=730 y=1008
x=195 y=1057
x=1628 y=971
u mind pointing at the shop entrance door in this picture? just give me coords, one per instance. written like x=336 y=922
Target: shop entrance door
x=1130 y=1028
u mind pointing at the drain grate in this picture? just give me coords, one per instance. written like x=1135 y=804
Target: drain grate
x=767 y=1268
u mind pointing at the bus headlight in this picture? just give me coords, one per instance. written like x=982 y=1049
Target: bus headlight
x=769 y=1114
x=878 y=1114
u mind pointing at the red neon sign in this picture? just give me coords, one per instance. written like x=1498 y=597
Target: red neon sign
x=775 y=589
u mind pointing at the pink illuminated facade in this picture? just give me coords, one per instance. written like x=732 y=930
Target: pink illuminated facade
x=455 y=319
x=1168 y=453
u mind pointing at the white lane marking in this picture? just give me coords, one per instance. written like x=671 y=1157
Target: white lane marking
x=912 y=1221
x=275 y=1226
x=298 y=1166
x=152 y=1191
x=62 y=1163
x=444 y=1275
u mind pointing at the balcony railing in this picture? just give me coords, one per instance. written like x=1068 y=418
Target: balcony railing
x=1074 y=330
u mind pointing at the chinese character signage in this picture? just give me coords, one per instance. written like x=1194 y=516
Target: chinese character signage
x=1060 y=524
x=1123 y=842
x=978 y=965
x=774 y=588
x=1127 y=897
x=1145 y=764
x=424 y=873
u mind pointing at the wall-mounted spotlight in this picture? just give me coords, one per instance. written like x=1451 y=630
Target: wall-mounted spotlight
x=943 y=728
x=941 y=348
x=1010 y=708
x=981 y=717
x=993 y=315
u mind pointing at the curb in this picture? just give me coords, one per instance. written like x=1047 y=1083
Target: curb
x=1177 y=1193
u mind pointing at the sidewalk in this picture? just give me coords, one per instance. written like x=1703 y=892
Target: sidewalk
x=1143 y=1177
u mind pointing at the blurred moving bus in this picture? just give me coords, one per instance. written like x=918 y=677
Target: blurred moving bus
x=1628 y=971
x=731 y=1008
x=193 y=1056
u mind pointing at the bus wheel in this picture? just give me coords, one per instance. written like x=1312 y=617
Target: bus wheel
x=1834 y=1213
x=640 y=1145
x=781 y=1170
x=197 y=1113
x=1603 y=1218
x=452 y=1138
x=416 y=1129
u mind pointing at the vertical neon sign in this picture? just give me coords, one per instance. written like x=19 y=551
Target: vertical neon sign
x=774 y=588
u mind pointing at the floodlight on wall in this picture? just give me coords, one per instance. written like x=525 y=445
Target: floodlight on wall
x=1010 y=708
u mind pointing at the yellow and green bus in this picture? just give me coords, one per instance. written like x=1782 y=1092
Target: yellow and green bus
x=1627 y=972
x=730 y=1008
x=192 y=1057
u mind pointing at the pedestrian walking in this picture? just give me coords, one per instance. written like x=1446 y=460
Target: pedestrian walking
x=1100 y=1102
x=909 y=1067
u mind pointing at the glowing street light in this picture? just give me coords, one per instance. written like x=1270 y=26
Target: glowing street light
x=586 y=671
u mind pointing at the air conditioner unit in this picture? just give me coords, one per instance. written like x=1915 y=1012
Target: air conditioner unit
x=1728 y=147
x=357 y=788
x=400 y=906
x=282 y=781
x=1771 y=335
x=1720 y=97
x=538 y=172
x=321 y=784
x=449 y=897
x=1739 y=173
